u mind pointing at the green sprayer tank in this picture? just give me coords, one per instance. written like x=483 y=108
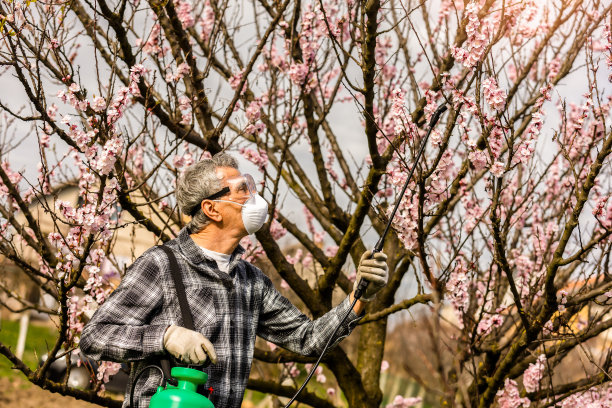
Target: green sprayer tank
x=184 y=395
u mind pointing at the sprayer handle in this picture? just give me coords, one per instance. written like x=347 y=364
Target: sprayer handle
x=361 y=288
x=363 y=284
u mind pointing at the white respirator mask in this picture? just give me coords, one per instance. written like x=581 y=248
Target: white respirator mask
x=254 y=213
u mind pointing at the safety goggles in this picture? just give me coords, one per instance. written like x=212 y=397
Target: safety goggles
x=240 y=187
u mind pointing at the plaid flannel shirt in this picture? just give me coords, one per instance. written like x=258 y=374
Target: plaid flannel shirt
x=230 y=309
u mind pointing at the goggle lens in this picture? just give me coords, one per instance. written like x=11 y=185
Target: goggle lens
x=242 y=186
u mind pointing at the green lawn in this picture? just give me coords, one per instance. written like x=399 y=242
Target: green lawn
x=37 y=341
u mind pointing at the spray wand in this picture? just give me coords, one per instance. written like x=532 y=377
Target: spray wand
x=363 y=284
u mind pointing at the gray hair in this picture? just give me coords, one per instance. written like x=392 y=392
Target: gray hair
x=197 y=182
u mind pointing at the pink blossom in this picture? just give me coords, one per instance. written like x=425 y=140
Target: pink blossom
x=178 y=73
x=435 y=137
x=136 y=72
x=14 y=178
x=320 y=376
x=511 y=72
x=398 y=112
x=307 y=260
x=487 y=323
x=106 y=369
x=252 y=248
x=99 y=104
x=184 y=11
x=331 y=251
x=478 y=159
x=277 y=230
x=384 y=366
x=553 y=68
x=253 y=111
x=498 y=169
x=478 y=36
x=184 y=103
x=54 y=43
x=331 y=392
x=401 y=402
x=294 y=371
x=234 y=81
x=151 y=46
x=254 y=129
x=207 y=21
x=295 y=258
x=110 y=152
x=509 y=396
x=524 y=152
x=44 y=141
x=600 y=397
x=534 y=373
x=258 y=157
x=458 y=288
x=52 y=110
x=185 y=108
x=298 y=73
x=183 y=69
x=184 y=160
x=495 y=97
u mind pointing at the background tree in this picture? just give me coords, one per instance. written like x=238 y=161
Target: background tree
x=508 y=219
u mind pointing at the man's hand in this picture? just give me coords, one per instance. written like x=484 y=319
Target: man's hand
x=188 y=346
x=375 y=271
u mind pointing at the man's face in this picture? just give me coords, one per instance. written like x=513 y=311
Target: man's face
x=232 y=213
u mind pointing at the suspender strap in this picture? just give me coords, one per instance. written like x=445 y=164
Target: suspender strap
x=184 y=306
x=180 y=289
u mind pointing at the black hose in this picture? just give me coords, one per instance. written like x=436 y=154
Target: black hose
x=314 y=367
x=138 y=376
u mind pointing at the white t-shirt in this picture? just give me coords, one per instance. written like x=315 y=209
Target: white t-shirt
x=222 y=260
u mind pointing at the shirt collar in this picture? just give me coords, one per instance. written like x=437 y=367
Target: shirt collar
x=196 y=256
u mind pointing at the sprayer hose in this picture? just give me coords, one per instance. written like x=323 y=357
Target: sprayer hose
x=136 y=380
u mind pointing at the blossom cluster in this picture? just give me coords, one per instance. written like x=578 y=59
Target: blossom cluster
x=458 y=289
x=510 y=397
x=478 y=36
x=403 y=402
x=257 y=157
x=595 y=397
x=534 y=373
x=495 y=97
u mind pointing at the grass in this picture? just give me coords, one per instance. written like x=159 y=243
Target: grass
x=38 y=340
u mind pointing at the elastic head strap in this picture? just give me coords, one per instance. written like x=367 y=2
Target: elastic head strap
x=218 y=194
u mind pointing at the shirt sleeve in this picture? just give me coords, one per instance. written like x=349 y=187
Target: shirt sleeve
x=121 y=329
x=283 y=324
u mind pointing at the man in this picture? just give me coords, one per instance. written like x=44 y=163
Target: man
x=231 y=300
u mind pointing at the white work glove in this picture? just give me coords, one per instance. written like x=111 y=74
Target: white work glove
x=189 y=346
x=375 y=271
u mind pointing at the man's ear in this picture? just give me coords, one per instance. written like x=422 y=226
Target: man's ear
x=208 y=208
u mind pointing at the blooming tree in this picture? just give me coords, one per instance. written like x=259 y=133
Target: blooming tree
x=506 y=223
